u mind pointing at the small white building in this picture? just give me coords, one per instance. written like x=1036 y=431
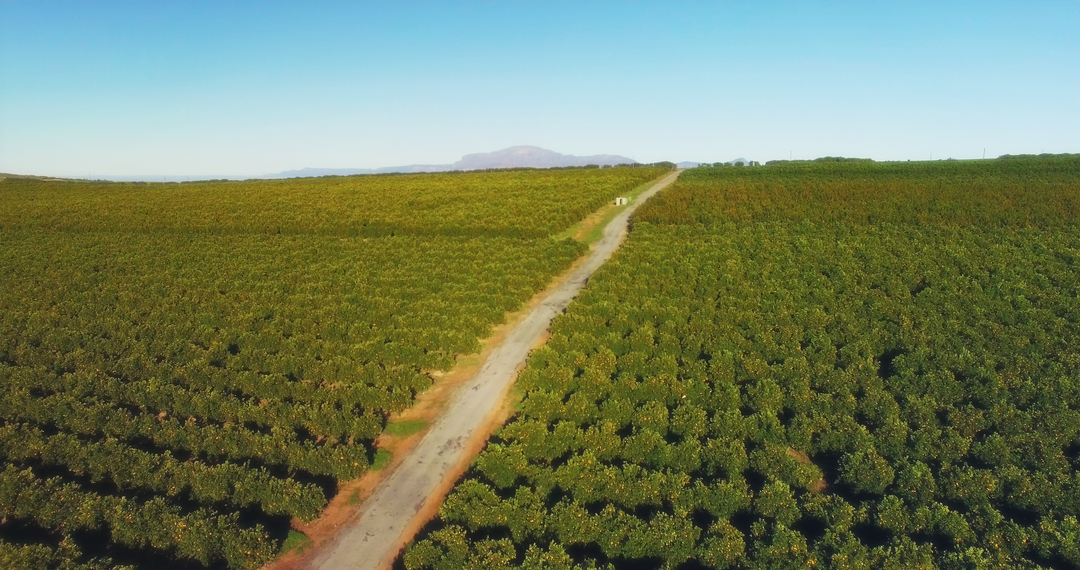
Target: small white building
x=622 y=201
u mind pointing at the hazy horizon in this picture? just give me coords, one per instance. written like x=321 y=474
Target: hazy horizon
x=244 y=89
x=307 y=171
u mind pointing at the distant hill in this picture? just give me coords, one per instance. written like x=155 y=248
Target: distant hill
x=534 y=157
x=514 y=157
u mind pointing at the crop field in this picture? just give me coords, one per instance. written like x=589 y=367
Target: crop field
x=836 y=365
x=521 y=203
x=184 y=368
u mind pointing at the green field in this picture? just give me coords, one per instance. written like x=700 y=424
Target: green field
x=184 y=368
x=839 y=365
x=515 y=203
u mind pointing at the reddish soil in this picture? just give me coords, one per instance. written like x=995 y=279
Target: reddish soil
x=815 y=487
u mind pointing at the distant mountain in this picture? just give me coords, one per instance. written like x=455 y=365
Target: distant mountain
x=513 y=157
x=534 y=157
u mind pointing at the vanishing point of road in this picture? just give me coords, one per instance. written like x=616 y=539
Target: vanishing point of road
x=375 y=538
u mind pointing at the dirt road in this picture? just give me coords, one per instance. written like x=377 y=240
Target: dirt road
x=377 y=536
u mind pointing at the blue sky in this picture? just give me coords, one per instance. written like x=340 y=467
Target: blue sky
x=245 y=88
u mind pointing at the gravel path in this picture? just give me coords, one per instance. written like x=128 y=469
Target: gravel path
x=375 y=538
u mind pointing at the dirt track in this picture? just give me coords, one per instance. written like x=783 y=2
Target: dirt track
x=376 y=537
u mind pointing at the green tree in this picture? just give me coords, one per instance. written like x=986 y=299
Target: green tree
x=866 y=472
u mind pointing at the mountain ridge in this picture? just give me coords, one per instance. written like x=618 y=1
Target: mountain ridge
x=520 y=156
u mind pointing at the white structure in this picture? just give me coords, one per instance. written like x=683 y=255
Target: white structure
x=622 y=201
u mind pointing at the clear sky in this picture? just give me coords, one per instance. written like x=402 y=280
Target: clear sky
x=245 y=88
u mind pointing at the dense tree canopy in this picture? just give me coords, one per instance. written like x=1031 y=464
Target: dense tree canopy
x=841 y=364
x=185 y=368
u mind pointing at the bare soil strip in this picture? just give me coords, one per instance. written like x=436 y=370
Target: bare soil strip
x=416 y=482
